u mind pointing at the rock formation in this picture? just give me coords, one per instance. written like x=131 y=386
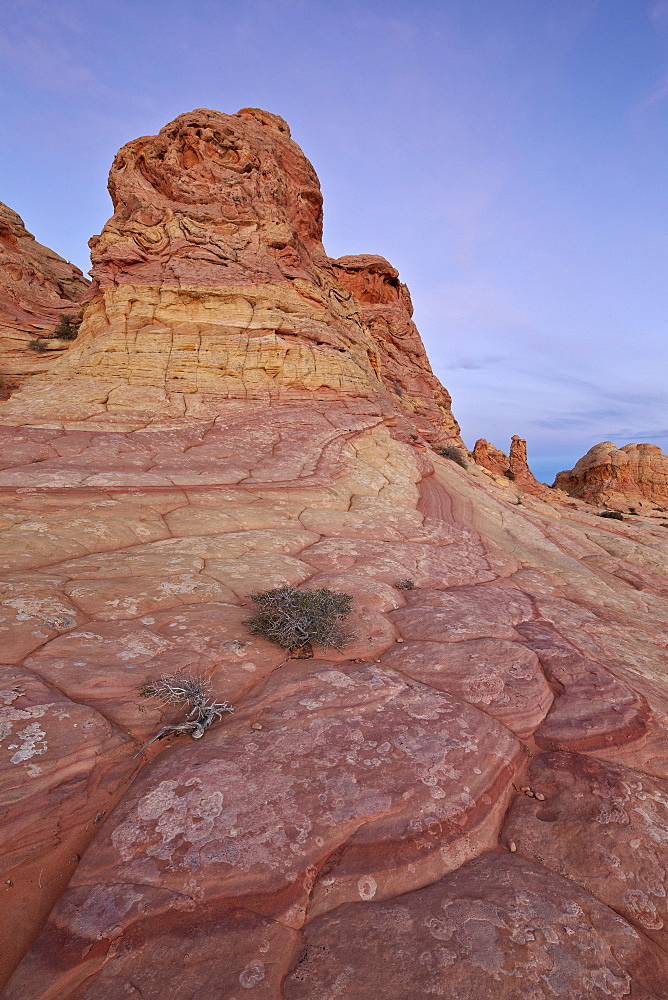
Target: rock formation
x=211 y=283
x=37 y=287
x=386 y=311
x=514 y=467
x=404 y=816
x=633 y=476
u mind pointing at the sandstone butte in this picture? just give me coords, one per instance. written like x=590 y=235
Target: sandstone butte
x=470 y=800
x=620 y=478
x=37 y=287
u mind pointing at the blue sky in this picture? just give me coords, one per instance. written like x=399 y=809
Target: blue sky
x=508 y=156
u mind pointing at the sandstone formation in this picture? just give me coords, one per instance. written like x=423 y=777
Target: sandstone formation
x=386 y=311
x=514 y=467
x=37 y=287
x=467 y=800
x=619 y=478
x=210 y=282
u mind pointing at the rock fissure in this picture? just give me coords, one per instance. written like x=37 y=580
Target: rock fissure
x=240 y=412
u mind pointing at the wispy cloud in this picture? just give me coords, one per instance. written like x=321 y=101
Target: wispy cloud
x=659 y=12
x=474 y=364
x=658 y=94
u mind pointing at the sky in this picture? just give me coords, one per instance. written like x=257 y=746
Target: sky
x=509 y=157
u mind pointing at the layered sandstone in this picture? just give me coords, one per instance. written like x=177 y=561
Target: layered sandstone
x=633 y=476
x=514 y=467
x=211 y=283
x=37 y=287
x=386 y=311
x=402 y=817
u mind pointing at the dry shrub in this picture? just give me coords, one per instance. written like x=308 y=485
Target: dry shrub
x=295 y=618
x=194 y=695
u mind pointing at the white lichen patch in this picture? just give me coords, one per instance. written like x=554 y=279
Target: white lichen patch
x=10 y=695
x=34 y=743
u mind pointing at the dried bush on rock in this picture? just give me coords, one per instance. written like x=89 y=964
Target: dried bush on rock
x=37 y=345
x=296 y=618
x=404 y=584
x=67 y=329
x=449 y=451
x=194 y=695
x=614 y=514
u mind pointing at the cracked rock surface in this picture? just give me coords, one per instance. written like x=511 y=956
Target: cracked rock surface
x=467 y=800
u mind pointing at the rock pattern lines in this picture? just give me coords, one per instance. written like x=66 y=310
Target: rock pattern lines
x=468 y=800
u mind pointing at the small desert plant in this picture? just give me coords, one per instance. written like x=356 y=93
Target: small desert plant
x=193 y=694
x=612 y=513
x=404 y=585
x=414 y=437
x=294 y=619
x=454 y=454
x=38 y=345
x=67 y=329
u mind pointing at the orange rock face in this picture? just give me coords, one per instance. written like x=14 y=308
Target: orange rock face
x=37 y=287
x=514 y=466
x=211 y=200
x=211 y=283
x=404 y=816
x=635 y=475
x=386 y=311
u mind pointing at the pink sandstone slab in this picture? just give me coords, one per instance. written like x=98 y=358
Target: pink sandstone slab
x=594 y=710
x=52 y=532
x=499 y=677
x=367 y=592
x=412 y=784
x=602 y=826
x=465 y=561
x=462 y=613
x=182 y=949
x=61 y=765
x=499 y=928
x=108 y=663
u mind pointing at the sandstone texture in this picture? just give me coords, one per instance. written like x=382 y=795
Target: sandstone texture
x=37 y=287
x=635 y=476
x=468 y=800
x=386 y=310
x=210 y=282
x=514 y=466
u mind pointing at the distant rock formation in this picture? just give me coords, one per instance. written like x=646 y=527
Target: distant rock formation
x=211 y=283
x=514 y=466
x=635 y=475
x=37 y=287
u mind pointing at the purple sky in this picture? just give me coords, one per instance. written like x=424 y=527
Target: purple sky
x=508 y=156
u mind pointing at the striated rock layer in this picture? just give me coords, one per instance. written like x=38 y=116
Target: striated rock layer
x=37 y=287
x=514 y=467
x=211 y=283
x=406 y=816
x=635 y=475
